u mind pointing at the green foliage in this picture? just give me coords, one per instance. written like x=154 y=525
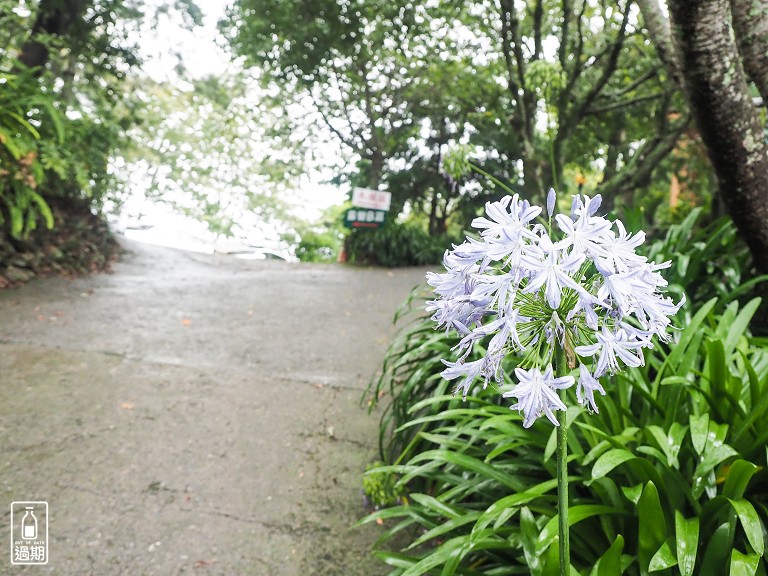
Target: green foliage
x=708 y=260
x=381 y=488
x=65 y=107
x=396 y=87
x=23 y=156
x=317 y=246
x=322 y=240
x=676 y=454
x=456 y=162
x=669 y=478
x=395 y=244
x=204 y=150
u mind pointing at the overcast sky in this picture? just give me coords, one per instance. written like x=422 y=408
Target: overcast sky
x=201 y=54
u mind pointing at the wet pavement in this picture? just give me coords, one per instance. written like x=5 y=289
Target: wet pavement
x=192 y=414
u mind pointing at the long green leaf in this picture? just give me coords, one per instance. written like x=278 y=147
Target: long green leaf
x=743 y=564
x=740 y=324
x=686 y=542
x=750 y=522
x=716 y=558
x=664 y=558
x=576 y=514
x=530 y=534
x=739 y=475
x=514 y=501
x=471 y=464
x=433 y=504
x=651 y=527
x=609 y=461
x=445 y=528
x=609 y=563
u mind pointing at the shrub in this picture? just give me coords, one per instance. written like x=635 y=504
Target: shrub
x=670 y=472
x=396 y=244
x=670 y=477
x=21 y=166
x=318 y=246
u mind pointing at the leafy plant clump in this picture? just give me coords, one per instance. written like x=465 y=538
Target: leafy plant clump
x=21 y=165
x=381 y=488
x=669 y=478
x=395 y=244
x=674 y=461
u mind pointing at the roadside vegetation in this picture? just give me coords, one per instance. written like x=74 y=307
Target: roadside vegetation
x=669 y=477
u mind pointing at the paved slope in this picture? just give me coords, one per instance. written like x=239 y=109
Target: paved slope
x=194 y=414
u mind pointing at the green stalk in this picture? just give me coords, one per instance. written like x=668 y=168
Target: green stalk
x=561 y=369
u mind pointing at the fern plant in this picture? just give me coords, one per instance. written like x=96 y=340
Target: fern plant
x=22 y=158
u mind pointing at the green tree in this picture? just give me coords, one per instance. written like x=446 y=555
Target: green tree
x=380 y=78
x=530 y=88
x=64 y=68
x=206 y=151
x=581 y=86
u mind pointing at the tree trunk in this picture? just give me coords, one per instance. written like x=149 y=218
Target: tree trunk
x=729 y=125
x=661 y=35
x=377 y=169
x=750 y=22
x=54 y=18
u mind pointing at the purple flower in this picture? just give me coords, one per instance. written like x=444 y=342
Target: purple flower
x=466 y=370
x=536 y=394
x=527 y=284
x=586 y=388
x=612 y=347
x=618 y=253
x=586 y=234
x=507 y=225
x=551 y=200
x=550 y=268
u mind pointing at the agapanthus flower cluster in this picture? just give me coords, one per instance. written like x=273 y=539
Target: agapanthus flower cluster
x=530 y=284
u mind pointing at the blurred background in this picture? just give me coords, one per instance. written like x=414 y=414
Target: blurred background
x=242 y=127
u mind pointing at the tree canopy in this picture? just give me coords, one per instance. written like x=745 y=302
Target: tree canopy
x=532 y=92
x=580 y=95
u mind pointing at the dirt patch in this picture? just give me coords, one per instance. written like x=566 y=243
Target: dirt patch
x=80 y=243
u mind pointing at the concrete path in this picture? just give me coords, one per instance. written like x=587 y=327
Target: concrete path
x=195 y=415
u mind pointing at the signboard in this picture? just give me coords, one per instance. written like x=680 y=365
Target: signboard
x=364 y=218
x=373 y=199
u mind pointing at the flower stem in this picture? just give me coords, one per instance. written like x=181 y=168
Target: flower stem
x=562 y=470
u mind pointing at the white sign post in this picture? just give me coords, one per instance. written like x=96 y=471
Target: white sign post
x=373 y=199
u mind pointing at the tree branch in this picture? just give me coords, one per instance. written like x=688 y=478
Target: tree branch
x=336 y=74
x=347 y=141
x=579 y=63
x=577 y=54
x=750 y=22
x=570 y=118
x=538 y=17
x=661 y=35
x=593 y=110
x=639 y=168
x=633 y=85
x=506 y=48
x=563 y=50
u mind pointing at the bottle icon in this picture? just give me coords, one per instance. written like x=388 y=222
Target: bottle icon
x=29 y=524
